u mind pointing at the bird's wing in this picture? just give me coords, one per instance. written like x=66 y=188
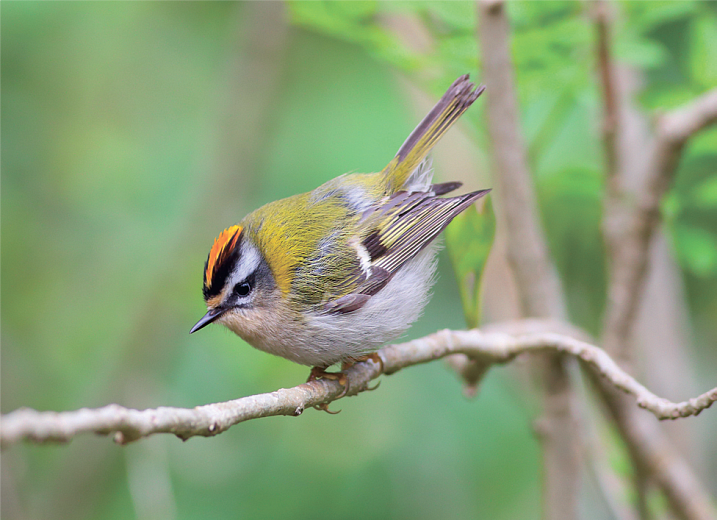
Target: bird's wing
x=397 y=231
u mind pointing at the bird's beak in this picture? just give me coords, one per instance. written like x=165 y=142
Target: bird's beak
x=209 y=317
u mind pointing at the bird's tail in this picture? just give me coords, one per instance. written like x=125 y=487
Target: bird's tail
x=459 y=96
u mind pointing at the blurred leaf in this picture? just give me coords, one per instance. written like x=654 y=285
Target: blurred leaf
x=671 y=206
x=355 y=22
x=696 y=249
x=460 y=16
x=638 y=51
x=469 y=239
x=704 y=42
x=704 y=142
x=646 y=16
x=456 y=14
x=539 y=47
x=461 y=51
x=705 y=195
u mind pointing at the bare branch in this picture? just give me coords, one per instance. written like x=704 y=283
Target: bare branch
x=495 y=348
x=653 y=454
x=616 y=210
x=538 y=282
x=601 y=15
x=537 y=279
x=649 y=448
x=682 y=123
x=629 y=222
x=630 y=249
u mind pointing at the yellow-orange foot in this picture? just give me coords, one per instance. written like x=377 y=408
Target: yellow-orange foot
x=373 y=357
x=321 y=373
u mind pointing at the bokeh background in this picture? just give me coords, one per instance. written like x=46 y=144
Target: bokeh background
x=134 y=132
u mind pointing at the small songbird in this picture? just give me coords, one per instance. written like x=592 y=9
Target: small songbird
x=331 y=275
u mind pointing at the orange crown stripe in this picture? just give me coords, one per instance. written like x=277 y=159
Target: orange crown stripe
x=224 y=243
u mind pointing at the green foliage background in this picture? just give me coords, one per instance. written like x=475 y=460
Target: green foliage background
x=111 y=118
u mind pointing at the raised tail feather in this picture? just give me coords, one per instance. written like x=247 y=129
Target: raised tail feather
x=459 y=96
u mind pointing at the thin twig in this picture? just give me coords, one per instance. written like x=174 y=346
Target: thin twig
x=611 y=114
x=129 y=425
x=653 y=454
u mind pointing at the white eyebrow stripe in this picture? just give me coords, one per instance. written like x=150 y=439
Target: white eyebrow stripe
x=249 y=260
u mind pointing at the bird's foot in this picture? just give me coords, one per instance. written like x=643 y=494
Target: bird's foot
x=373 y=356
x=321 y=373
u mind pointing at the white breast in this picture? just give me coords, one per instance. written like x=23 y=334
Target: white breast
x=332 y=338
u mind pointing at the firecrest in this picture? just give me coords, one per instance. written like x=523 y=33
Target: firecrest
x=331 y=275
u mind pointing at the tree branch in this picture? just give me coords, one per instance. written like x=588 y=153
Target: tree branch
x=629 y=223
x=538 y=284
x=616 y=210
x=630 y=246
x=611 y=114
x=495 y=348
x=653 y=454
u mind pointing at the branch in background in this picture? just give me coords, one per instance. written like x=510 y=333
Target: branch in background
x=630 y=248
x=537 y=280
x=539 y=285
x=212 y=419
x=614 y=488
x=611 y=114
x=653 y=454
x=615 y=207
x=628 y=232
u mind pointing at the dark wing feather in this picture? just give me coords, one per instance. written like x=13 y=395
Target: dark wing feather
x=400 y=229
x=412 y=228
x=445 y=187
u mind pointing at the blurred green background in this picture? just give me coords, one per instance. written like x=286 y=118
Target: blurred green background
x=134 y=132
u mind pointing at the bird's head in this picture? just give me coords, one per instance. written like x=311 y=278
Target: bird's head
x=238 y=283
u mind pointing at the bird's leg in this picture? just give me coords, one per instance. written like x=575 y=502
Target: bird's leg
x=373 y=356
x=321 y=373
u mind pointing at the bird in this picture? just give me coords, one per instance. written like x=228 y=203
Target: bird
x=331 y=275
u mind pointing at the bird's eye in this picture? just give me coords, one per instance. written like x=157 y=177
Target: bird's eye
x=242 y=289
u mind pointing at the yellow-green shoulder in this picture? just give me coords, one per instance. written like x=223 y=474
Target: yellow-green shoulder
x=297 y=230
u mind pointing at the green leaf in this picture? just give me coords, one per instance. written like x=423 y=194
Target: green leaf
x=703 y=57
x=646 y=16
x=640 y=52
x=696 y=249
x=671 y=206
x=469 y=239
x=705 y=195
x=354 y=22
x=704 y=143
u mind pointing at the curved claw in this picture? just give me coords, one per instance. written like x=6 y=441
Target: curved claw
x=344 y=382
x=372 y=388
x=376 y=358
x=325 y=408
x=321 y=373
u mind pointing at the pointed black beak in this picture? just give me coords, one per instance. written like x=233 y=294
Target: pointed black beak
x=208 y=318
